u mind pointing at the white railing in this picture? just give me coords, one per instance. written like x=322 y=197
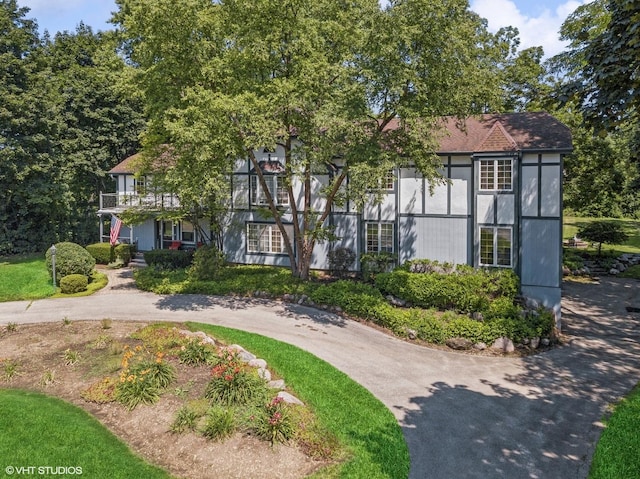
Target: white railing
x=122 y=201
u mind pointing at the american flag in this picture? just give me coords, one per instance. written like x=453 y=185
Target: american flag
x=116 y=224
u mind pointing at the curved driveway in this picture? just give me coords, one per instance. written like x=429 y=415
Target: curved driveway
x=463 y=416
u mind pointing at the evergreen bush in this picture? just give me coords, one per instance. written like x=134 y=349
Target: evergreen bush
x=73 y=283
x=102 y=252
x=71 y=258
x=168 y=259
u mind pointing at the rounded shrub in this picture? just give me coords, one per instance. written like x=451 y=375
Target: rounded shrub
x=74 y=283
x=103 y=253
x=71 y=258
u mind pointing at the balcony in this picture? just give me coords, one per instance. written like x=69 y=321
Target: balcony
x=115 y=202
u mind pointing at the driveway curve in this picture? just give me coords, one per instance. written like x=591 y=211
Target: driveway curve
x=463 y=416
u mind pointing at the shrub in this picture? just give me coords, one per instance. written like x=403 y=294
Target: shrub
x=196 y=352
x=207 y=262
x=102 y=252
x=71 y=258
x=123 y=253
x=372 y=264
x=234 y=383
x=340 y=260
x=74 y=283
x=275 y=424
x=466 y=290
x=134 y=389
x=220 y=423
x=168 y=259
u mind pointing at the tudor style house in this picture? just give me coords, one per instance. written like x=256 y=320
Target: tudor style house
x=501 y=206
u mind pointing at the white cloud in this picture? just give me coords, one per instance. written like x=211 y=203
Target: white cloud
x=541 y=30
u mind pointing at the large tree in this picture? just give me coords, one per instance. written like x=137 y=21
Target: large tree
x=64 y=122
x=28 y=177
x=602 y=176
x=332 y=83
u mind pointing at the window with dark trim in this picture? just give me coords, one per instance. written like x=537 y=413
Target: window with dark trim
x=496 y=175
x=266 y=238
x=379 y=237
x=495 y=246
x=276 y=186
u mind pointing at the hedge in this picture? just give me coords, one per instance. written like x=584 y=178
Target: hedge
x=465 y=290
x=74 y=283
x=168 y=259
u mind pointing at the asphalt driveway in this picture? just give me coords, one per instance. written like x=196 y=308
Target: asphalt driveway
x=463 y=416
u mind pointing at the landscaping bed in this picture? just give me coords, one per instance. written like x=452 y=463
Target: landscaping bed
x=69 y=359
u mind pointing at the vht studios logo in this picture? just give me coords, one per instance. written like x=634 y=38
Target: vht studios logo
x=42 y=470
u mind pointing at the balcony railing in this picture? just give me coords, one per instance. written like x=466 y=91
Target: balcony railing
x=122 y=201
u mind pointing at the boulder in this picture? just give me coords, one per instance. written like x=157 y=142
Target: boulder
x=503 y=344
x=459 y=344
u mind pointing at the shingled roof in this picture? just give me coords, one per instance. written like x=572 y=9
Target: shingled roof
x=490 y=133
x=529 y=131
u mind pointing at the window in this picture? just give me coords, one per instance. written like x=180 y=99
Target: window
x=379 y=237
x=276 y=187
x=389 y=181
x=496 y=174
x=265 y=238
x=495 y=246
x=140 y=185
x=188 y=234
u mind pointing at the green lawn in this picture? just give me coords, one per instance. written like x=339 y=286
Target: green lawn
x=40 y=431
x=630 y=226
x=24 y=277
x=616 y=454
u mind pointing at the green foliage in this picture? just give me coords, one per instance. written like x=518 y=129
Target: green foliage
x=66 y=121
x=275 y=423
x=123 y=253
x=220 y=423
x=236 y=280
x=340 y=260
x=160 y=337
x=373 y=264
x=101 y=252
x=186 y=420
x=207 y=262
x=631 y=272
x=71 y=258
x=196 y=352
x=332 y=63
x=166 y=259
x=466 y=290
x=73 y=283
x=603 y=232
x=234 y=383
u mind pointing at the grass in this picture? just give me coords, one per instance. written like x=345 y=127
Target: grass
x=27 y=278
x=630 y=226
x=353 y=414
x=42 y=431
x=616 y=454
x=24 y=277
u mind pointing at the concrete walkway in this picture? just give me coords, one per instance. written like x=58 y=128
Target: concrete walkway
x=463 y=416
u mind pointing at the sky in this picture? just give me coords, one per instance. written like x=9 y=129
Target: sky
x=537 y=20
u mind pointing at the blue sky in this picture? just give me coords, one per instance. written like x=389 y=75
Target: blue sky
x=538 y=21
